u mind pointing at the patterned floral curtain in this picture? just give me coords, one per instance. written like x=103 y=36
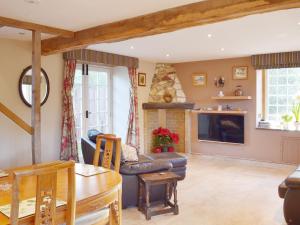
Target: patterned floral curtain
x=133 y=134
x=69 y=150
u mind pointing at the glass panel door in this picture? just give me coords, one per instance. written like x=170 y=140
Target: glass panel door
x=91 y=99
x=99 y=99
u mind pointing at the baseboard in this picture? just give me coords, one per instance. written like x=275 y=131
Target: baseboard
x=244 y=159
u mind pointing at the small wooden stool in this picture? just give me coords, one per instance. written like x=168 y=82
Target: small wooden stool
x=164 y=178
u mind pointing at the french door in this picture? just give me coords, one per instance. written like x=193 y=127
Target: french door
x=92 y=94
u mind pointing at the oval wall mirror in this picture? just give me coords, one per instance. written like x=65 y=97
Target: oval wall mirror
x=25 y=86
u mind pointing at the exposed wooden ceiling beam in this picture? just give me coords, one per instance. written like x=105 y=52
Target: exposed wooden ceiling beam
x=35 y=27
x=195 y=14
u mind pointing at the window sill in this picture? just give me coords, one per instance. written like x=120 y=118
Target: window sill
x=278 y=128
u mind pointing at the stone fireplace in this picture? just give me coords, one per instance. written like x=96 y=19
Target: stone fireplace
x=167 y=107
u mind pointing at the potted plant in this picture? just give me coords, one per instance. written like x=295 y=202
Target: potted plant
x=286 y=120
x=164 y=140
x=296 y=112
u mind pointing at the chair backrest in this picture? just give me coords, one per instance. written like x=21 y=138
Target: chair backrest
x=112 y=146
x=46 y=189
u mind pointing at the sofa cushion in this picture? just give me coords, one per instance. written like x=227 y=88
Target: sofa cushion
x=129 y=153
x=93 y=133
x=144 y=167
x=176 y=159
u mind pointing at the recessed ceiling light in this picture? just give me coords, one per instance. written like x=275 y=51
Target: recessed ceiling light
x=131 y=47
x=32 y=1
x=167 y=55
x=222 y=49
x=298 y=23
x=209 y=35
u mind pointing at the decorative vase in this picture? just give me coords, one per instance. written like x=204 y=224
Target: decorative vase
x=165 y=149
x=285 y=126
x=168 y=98
x=238 y=91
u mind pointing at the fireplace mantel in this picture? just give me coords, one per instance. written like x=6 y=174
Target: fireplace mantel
x=177 y=105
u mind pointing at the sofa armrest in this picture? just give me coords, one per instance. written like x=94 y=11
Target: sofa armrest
x=145 y=167
x=88 y=150
x=293 y=181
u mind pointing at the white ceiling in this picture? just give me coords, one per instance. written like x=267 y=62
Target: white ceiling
x=264 y=33
x=257 y=34
x=79 y=14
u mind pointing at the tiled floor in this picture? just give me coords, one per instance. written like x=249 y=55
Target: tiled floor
x=222 y=191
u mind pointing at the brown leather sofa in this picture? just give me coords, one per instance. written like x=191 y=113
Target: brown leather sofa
x=289 y=190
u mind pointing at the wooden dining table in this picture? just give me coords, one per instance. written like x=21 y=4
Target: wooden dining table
x=92 y=194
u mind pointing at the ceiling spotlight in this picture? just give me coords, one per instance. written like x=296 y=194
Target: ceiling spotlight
x=32 y=1
x=167 y=55
x=209 y=35
x=131 y=47
x=222 y=49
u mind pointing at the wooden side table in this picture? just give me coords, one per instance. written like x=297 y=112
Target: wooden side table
x=146 y=181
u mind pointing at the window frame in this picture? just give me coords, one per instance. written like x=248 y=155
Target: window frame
x=265 y=97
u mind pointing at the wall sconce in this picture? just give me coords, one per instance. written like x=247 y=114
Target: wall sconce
x=219 y=82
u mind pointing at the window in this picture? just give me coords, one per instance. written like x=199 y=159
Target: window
x=91 y=95
x=279 y=88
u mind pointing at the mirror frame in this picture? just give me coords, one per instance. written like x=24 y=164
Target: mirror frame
x=20 y=86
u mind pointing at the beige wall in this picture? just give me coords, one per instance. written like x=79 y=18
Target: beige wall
x=143 y=95
x=15 y=144
x=259 y=144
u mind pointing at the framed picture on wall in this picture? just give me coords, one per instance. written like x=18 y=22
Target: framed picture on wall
x=240 y=73
x=199 y=79
x=142 y=79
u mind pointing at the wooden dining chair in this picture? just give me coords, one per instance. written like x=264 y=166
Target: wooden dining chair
x=46 y=190
x=112 y=146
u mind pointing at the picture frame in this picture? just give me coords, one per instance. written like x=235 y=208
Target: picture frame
x=142 y=79
x=200 y=79
x=240 y=73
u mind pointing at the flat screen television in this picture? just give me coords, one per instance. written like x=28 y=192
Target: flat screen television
x=221 y=128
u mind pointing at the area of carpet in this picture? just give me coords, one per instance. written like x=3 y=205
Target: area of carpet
x=223 y=191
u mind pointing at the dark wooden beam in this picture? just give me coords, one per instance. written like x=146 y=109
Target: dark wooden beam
x=36 y=97
x=195 y=14
x=33 y=26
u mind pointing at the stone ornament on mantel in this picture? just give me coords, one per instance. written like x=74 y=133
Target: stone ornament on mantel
x=165 y=82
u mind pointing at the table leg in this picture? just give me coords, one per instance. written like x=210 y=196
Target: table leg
x=167 y=194
x=141 y=194
x=148 y=209
x=176 y=209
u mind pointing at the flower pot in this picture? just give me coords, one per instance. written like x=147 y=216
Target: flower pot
x=285 y=126
x=165 y=149
x=157 y=150
x=297 y=125
x=171 y=149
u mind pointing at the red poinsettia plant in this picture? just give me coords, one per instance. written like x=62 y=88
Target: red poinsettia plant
x=163 y=140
